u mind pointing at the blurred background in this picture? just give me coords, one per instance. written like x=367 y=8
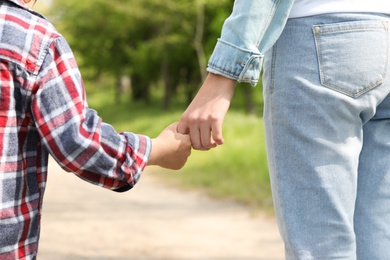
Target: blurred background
x=143 y=61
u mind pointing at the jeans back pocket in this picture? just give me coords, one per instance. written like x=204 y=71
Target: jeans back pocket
x=352 y=56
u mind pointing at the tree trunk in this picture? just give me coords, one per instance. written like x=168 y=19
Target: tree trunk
x=139 y=88
x=167 y=84
x=198 y=41
x=249 y=103
x=118 y=88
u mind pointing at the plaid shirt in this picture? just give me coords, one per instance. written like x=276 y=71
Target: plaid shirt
x=43 y=111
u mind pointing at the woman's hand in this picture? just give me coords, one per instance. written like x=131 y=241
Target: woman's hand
x=203 y=119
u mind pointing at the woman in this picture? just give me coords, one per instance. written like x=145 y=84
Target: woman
x=326 y=116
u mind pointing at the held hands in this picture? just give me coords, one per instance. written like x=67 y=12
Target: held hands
x=204 y=117
x=200 y=125
x=170 y=149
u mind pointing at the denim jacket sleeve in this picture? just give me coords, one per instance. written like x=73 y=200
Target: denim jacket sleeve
x=251 y=29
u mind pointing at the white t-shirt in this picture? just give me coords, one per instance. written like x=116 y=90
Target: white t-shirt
x=312 y=7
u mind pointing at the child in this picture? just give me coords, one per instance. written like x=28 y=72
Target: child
x=43 y=111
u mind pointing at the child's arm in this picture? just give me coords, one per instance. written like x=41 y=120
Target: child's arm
x=77 y=138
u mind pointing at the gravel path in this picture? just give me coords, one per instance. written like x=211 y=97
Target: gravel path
x=154 y=221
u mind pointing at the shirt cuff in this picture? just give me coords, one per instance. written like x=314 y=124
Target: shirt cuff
x=142 y=148
x=235 y=63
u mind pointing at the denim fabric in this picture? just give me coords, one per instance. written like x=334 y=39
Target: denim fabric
x=327 y=122
x=251 y=29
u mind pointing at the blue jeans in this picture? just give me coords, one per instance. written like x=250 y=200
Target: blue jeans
x=327 y=121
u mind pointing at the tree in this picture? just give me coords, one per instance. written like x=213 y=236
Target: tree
x=150 y=41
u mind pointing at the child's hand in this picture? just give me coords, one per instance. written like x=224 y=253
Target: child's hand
x=170 y=149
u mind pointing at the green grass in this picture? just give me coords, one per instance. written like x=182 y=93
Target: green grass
x=237 y=170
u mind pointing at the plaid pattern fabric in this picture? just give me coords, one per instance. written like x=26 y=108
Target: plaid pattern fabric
x=43 y=111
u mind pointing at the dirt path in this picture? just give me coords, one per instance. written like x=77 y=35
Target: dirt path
x=151 y=222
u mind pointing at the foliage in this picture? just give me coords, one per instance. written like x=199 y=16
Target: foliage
x=151 y=41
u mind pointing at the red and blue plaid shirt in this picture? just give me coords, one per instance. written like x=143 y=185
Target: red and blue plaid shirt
x=43 y=111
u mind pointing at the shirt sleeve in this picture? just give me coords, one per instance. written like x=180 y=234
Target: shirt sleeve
x=75 y=135
x=251 y=29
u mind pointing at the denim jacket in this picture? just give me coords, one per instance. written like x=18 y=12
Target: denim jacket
x=251 y=29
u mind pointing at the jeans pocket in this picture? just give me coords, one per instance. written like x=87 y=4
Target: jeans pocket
x=352 y=56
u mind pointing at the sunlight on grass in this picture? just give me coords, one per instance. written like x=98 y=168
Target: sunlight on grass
x=236 y=170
